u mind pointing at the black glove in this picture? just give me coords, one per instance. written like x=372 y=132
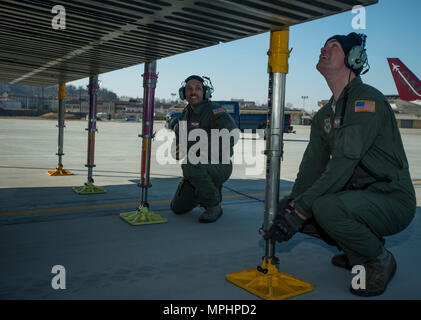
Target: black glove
x=285 y=225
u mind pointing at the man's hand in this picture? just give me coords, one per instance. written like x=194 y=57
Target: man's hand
x=285 y=225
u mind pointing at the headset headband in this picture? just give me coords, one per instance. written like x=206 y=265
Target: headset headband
x=196 y=78
x=206 y=83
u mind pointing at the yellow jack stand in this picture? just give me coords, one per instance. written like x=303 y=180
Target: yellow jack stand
x=268 y=283
x=142 y=216
x=88 y=188
x=59 y=171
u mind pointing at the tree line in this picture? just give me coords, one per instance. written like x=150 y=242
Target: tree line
x=51 y=92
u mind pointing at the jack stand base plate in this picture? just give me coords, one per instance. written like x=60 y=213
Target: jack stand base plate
x=268 y=283
x=142 y=216
x=59 y=171
x=88 y=188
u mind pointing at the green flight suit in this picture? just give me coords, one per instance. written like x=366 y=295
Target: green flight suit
x=202 y=181
x=354 y=182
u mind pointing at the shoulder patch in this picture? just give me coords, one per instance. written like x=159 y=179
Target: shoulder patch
x=327 y=125
x=218 y=110
x=365 y=106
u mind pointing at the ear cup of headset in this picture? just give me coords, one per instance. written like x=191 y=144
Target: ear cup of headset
x=356 y=58
x=182 y=92
x=207 y=92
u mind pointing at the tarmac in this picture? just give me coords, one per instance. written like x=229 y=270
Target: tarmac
x=44 y=223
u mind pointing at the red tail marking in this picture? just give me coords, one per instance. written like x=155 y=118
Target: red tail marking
x=408 y=85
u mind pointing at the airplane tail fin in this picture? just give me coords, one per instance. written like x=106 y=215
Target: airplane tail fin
x=408 y=85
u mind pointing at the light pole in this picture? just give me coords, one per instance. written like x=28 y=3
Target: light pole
x=304 y=99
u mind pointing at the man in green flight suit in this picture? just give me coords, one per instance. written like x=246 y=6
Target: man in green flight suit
x=353 y=186
x=206 y=168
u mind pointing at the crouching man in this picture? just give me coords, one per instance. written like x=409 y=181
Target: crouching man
x=353 y=186
x=205 y=168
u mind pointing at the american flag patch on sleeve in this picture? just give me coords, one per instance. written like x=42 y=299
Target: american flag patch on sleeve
x=365 y=106
x=218 y=110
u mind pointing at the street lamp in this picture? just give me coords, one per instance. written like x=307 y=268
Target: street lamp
x=304 y=99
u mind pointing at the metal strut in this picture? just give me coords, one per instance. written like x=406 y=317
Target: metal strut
x=266 y=281
x=277 y=69
x=142 y=215
x=150 y=79
x=93 y=99
x=59 y=171
x=89 y=187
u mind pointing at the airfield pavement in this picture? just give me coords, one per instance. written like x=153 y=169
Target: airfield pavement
x=44 y=223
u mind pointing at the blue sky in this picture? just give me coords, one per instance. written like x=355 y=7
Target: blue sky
x=238 y=69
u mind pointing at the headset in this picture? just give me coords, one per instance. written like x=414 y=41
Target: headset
x=206 y=83
x=356 y=59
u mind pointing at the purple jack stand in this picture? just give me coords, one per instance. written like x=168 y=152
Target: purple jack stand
x=89 y=187
x=142 y=215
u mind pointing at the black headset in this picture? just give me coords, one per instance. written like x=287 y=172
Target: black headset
x=206 y=83
x=356 y=59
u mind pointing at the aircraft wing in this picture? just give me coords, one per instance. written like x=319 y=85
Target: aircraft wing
x=413 y=107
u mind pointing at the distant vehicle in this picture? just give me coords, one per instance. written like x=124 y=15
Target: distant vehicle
x=171 y=119
x=245 y=119
x=408 y=85
x=131 y=117
x=102 y=116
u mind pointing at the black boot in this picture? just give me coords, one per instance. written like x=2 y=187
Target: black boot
x=378 y=272
x=211 y=214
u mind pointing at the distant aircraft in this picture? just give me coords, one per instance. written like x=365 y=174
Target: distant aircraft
x=408 y=85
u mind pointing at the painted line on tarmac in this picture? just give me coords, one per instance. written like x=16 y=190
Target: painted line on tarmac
x=114 y=205
x=130 y=204
x=77 y=208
